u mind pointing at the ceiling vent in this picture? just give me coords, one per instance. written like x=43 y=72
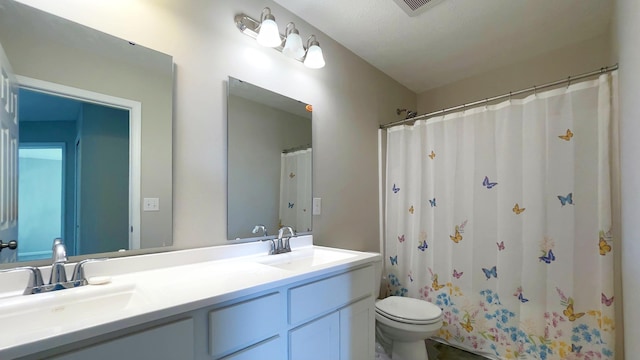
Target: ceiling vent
x=416 y=7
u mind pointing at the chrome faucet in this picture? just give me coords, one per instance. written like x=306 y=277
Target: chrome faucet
x=285 y=247
x=280 y=244
x=58 y=279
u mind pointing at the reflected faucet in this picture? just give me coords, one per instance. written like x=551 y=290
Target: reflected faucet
x=260 y=227
x=58 y=273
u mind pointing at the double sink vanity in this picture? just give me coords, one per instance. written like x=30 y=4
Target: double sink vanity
x=222 y=302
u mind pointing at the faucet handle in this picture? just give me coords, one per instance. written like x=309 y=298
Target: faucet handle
x=35 y=277
x=78 y=270
x=273 y=249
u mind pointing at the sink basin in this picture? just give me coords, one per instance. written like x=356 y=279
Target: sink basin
x=64 y=310
x=305 y=259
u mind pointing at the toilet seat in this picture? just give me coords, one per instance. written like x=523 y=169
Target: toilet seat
x=409 y=311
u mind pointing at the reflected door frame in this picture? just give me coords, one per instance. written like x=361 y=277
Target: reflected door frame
x=135 y=138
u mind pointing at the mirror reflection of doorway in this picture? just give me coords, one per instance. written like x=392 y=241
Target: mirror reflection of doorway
x=92 y=187
x=41 y=202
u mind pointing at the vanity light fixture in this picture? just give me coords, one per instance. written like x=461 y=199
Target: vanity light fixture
x=268 y=33
x=311 y=55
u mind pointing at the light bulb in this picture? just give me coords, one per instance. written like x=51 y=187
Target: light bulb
x=314 y=58
x=293 y=46
x=269 y=35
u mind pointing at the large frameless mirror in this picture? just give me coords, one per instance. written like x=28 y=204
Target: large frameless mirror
x=91 y=140
x=269 y=162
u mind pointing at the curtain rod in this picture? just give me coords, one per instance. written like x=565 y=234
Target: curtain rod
x=504 y=96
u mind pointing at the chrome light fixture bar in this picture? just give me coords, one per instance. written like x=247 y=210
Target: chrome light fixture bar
x=290 y=44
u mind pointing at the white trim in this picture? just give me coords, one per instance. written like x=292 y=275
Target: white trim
x=380 y=193
x=135 y=138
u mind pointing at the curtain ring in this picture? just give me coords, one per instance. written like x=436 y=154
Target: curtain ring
x=568 y=82
x=509 y=96
x=535 y=90
x=486 y=103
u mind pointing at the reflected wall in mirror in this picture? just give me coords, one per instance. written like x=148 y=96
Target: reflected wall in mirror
x=269 y=162
x=92 y=138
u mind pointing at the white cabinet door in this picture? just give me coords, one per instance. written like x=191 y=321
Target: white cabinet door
x=357 y=331
x=167 y=342
x=317 y=340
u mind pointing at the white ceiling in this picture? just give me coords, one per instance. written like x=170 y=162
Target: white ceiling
x=455 y=39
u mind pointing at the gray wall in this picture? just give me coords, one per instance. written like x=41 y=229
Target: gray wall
x=575 y=59
x=257 y=136
x=626 y=37
x=104 y=179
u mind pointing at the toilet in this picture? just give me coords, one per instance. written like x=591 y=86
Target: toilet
x=403 y=324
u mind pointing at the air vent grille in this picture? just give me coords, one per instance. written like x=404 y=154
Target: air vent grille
x=413 y=5
x=416 y=7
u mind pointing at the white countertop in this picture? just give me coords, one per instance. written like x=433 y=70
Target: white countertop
x=150 y=287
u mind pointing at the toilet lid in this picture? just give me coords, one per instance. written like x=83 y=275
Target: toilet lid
x=408 y=310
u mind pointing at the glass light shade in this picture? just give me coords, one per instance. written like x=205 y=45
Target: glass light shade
x=269 y=35
x=293 y=46
x=314 y=58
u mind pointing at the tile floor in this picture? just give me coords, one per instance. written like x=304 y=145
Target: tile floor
x=437 y=351
x=440 y=351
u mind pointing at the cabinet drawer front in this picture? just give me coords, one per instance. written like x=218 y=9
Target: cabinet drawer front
x=311 y=300
x=241 y=325
x=271 y=349
x=166 y=342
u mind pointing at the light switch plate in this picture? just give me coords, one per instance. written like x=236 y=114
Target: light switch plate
x=317 y=206
x=151 y=204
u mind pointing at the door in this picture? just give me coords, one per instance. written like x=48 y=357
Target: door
x=8 y=158
x=316 y=340
x=357 y=330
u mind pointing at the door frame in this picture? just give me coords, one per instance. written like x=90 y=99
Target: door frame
x=135 y=137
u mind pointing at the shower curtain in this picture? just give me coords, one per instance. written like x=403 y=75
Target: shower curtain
x=501 y=216
x=295 y=190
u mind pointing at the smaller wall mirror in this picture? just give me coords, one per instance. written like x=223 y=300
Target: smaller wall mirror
x=269 y=162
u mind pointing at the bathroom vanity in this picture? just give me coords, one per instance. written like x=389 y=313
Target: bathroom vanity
x=224 y=302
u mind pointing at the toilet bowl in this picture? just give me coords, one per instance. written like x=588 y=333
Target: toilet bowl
x=403 y=324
